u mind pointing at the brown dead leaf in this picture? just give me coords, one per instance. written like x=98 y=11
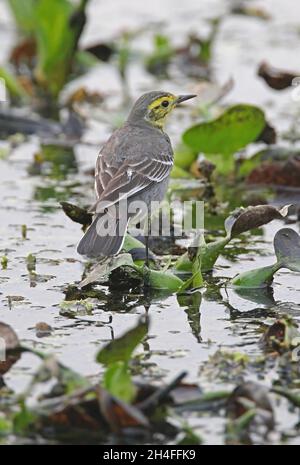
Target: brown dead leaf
x=8 y=342
x=245 y=219
x=84 y=95
x=279 y=173
x=118 y=414
x=275 y=78
x=24 y=52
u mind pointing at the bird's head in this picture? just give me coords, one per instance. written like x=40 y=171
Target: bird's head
x=153 y=107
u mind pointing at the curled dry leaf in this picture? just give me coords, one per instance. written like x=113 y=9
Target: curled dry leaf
x=77 y=214
x=244 y=219
x=287 y=249
x=8 y=342
x=275 y=78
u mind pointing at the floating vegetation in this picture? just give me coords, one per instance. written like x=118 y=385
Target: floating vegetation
x=194 y=340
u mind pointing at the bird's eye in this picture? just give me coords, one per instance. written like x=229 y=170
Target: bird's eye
x=165 y=103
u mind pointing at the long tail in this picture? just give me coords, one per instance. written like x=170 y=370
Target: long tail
x=94 y=245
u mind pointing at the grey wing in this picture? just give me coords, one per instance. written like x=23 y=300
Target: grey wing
x=108 y=162
x=134 y=177
x=104 y=173
x=117 y=177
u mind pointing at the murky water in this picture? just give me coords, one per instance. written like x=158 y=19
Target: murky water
x=174 y=342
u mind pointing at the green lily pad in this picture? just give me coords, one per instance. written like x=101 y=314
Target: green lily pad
x=184 y=156
x=233 y=130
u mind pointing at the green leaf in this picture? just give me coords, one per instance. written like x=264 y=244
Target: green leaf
x=184 y=156
x=5 y=426
x=287 y=249
x=178 y=173
x=241 y=220
x=23 y=420
x=162 y=280
x=230 y=132
x=184 y=264
x=12 y=85
x=131 y=242
x=55 y=43
x=56 y=46
x=211 y=251
x=197 y=262
x=56 y=26
x=117 y=381
x=121 y=349
x=260 y=277
x=24 y=14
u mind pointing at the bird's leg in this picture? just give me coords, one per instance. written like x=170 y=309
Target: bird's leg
x=147 y=239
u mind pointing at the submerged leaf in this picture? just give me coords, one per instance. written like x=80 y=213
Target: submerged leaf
x=121 y=349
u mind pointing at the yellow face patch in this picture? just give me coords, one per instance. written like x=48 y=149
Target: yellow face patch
x=160 y=108
x=168 y=98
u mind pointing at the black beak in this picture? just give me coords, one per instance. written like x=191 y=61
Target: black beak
x=183 y=98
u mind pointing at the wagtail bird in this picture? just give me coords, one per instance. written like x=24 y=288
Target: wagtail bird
x=134 y=164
